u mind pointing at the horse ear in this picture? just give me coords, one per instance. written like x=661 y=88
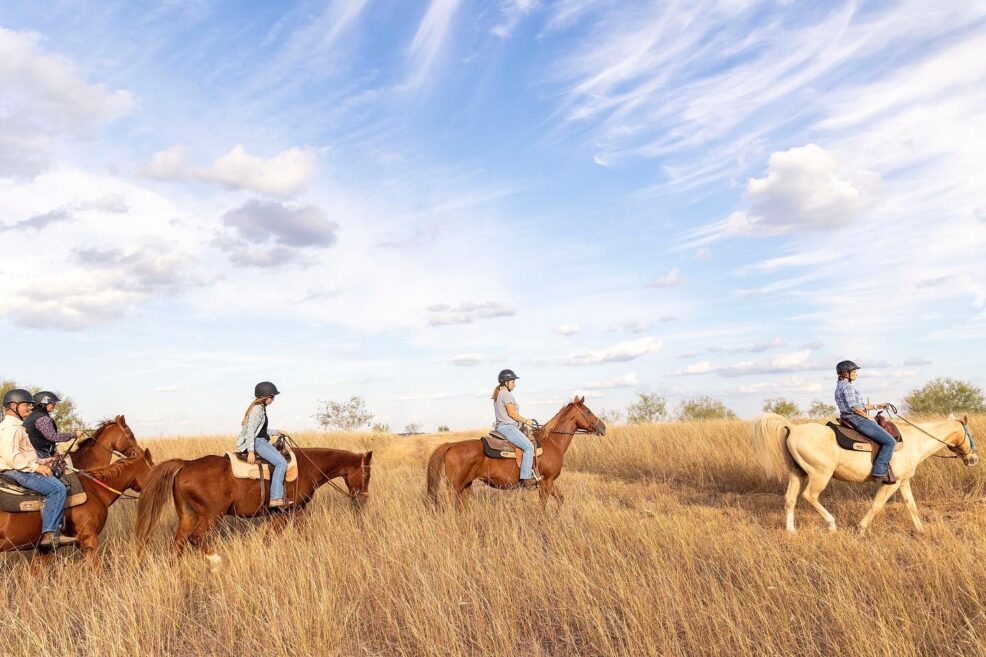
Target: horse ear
x=965 y=419
x=580 y=400
x=121 y=419
x=368 y=457
x=147 y=455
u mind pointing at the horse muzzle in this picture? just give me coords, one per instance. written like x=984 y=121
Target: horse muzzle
x=600 y=428
x=971 y=459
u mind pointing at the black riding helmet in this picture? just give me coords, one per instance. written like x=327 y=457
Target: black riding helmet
x=506 y=375
x=845 y=366
x=17 y=396
x=265 y=389
x=45 y=397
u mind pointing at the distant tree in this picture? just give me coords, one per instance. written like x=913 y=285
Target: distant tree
x=703 y=408
x=943 y=396
x=610 y=416
x=649 y=407
x=820 y=409
x=349 y=415
x=412 y=427
x=380 y=427
x=443 y=428
x=66 y=415
x=781 y=406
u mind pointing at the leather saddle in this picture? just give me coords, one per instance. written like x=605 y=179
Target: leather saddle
x=496 y=446
x=848 y=438
x=15 y=498
x=243 y=470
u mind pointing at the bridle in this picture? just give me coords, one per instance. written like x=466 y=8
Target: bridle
x=360 y=494
x=577 y=431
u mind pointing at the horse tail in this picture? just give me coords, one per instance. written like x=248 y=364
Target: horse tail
x=770 y=434
x=154 y=496
x=436 y=464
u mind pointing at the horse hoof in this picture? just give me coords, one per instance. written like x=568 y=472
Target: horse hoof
x=214 y=561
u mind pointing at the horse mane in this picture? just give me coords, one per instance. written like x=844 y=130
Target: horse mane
x=111 y=471
x=553 y=422
x=100 y=428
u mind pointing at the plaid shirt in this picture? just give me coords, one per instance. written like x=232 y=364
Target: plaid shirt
x=847 y=398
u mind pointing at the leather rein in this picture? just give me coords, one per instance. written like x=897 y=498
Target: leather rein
x=955 y=449
x=353 y=495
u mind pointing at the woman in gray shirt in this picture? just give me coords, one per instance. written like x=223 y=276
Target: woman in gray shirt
x=508 y=423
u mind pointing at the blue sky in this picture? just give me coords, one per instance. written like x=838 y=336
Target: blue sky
x=397 y=200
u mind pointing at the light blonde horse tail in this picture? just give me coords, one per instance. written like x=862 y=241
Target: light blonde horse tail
x=436 y=466
x=154 y=496
x=770 y=434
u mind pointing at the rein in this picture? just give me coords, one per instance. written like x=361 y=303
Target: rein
x=952 y=448
x=351 y=495
x=122 y=494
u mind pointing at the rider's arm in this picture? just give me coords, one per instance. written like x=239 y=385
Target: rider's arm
x=15 y=454
x=515 y=415
x=249 y=433
x=46 y=426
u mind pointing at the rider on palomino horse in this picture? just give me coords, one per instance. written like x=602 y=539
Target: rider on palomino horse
x=508 y=423
x=853 y=409
x=41 y=427
x=255 y=439
x=19 y=462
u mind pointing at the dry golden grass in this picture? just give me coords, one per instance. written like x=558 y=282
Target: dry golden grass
x=670 y=543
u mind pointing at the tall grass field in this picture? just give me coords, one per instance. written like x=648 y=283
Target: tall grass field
x=670 y=542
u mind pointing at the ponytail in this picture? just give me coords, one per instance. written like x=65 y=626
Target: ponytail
x=246 y=415
x=496 y=392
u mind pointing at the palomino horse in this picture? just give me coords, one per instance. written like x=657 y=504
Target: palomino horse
x=204 y=490
x=112 y=438
x=464 y=462
x=20 y=531
x=809 y=451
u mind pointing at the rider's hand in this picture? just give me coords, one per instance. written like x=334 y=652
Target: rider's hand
x=251 y=457
x=43 y=470
x=78 y=433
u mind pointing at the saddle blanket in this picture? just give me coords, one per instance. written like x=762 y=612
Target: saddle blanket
x=854 y=441
x=243 y=470
x=495 y=447
x=14 y=498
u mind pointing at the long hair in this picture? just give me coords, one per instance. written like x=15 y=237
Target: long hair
x=496 y=391
x=246 y=415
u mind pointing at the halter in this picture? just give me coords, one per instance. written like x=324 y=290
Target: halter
x=572 y=433
x=955 y=449
x=353 y=495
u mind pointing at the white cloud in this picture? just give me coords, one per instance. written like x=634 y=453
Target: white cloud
x=751 y=347
x=284 y=175
x=629 y=381
x=567 y=329
x=797 y=361
x=619 y=353
x=511 y=13
x=468 y=360
x=430 y=38
x=466 y=313
x=670 y=279
x=46 y=100
x=917 y=362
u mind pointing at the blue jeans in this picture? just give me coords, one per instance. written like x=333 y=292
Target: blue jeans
x=54 y=491
x=518 y=439
x=875 y=432
x=269 y=453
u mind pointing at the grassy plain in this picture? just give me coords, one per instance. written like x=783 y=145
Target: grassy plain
x=670 y=542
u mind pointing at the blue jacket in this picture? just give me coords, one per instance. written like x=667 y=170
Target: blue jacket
x=254 y=423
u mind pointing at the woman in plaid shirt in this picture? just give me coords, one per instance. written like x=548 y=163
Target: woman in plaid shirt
x=854 y=410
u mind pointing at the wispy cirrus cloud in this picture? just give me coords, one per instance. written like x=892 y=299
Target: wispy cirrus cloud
x=618 y=353
x=631 y=380
x=796 y=361
x=467 y=312
x=430 y=39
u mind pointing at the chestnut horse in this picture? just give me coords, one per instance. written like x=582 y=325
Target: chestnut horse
x=111 y=438
x=464 y=462
x=22 y=531
x=204 y=490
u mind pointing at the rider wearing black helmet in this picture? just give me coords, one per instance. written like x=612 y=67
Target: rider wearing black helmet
x=255 y=439
x=853 y=409
x=19 y=462
x=508 y=422
x=41 y=427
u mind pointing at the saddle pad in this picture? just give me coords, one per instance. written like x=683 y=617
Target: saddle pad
x=498 y=442
x=854 y=441
x=243 y=470
x=14 y=498
x=493 y=449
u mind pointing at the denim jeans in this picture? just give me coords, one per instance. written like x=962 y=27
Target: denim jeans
x=518 y=439
x=269 y=453
x=54 y=491
x=874 y=431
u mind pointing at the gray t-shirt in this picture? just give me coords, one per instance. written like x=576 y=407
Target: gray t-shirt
x=500 y=408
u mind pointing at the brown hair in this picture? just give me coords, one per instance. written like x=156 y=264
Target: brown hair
x=250 y=408
x=496 y=392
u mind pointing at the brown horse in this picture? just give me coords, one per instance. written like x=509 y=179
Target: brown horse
x=204 y=490
x=22 y=531
x=464 y=462
x=112 y=438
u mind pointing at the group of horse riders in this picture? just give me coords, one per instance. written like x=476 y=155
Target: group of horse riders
x=29 y=435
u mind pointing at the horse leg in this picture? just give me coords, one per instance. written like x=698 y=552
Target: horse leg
x=795 y=482
x=199 y=540
x=187 y=520
x=912 y=507
x=882 y=495
x=816 y=484
x=547 y=490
